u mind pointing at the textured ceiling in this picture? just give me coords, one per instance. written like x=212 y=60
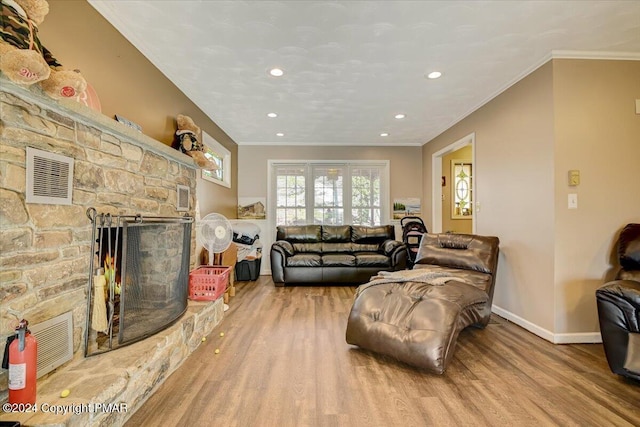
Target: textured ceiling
x=350 y=66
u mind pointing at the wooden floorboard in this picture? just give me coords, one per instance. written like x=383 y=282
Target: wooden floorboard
x=284 y=362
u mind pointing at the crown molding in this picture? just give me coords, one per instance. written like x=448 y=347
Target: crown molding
x=540 y=62
x=554 y=54
x=331 y=144
x=579 y=54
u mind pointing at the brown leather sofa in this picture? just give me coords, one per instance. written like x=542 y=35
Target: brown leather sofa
x=619 y=308
x=415 y=316
x=334 y=253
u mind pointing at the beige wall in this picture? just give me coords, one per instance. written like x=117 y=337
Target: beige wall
x=568 y=114
x=514 y=188
x=129 y=85
x=597 y=132
x=457 y=225
x=405 y=165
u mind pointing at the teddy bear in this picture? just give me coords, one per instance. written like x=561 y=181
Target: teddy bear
x=187 y=142
x=23 y=58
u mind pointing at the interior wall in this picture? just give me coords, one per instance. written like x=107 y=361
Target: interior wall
x=405 y=165
x=513 y=172
x=131 y=86
x=598 y=133
x=568 y=114
x=449 y=224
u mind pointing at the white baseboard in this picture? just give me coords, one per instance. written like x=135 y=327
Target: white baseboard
x=570 y=338
x=579 y=338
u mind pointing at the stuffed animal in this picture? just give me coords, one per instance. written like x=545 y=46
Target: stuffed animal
x=24 y=60
x=187 y=141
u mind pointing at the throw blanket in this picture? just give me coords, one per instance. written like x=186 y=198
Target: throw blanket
x=434 y=278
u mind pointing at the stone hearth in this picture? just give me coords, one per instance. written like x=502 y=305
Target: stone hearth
x=128 y=375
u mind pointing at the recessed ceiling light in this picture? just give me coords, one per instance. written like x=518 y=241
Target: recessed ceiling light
x=400 y=116
x=384 y=134
x=272 y=115
x=434 y=74
x=279 y=134
x=276 y=72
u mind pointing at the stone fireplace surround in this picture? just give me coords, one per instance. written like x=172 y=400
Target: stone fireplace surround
x=44 y=249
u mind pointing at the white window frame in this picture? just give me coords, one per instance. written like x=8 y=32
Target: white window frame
x=385 y=189
x=210 y=143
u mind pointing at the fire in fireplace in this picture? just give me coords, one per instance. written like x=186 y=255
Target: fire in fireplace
x=139 y=278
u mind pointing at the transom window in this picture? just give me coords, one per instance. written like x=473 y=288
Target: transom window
x=215 y=152
x=330 y=193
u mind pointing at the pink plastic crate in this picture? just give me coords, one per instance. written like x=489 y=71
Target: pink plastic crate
x=208 y=283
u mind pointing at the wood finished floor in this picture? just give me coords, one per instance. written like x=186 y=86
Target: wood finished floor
x=284 y=362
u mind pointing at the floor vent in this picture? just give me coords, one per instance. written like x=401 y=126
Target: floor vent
x=55 y=342
x=49 y=177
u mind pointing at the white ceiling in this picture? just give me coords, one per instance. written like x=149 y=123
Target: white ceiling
x=351 y=66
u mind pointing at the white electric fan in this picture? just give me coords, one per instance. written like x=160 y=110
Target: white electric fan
x=215 y=233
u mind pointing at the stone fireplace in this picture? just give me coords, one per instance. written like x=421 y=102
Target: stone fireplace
x=45 y=249
x=147 y=288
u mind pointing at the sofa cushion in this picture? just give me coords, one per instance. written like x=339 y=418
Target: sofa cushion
x=336 y=233
x=338 y=260
x=372 y=259
x=337 y=247
x=357 y=247
x=315 y=248
x=371 y=235
x=304 y=260
x=299 y=233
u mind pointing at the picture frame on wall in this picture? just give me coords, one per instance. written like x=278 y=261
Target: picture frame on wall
x=409 y=206
x=252 y=208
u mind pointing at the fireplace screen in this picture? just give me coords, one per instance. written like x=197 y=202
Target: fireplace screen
x=139 y=280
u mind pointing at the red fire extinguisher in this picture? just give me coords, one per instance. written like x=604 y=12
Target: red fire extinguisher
x=23 y=366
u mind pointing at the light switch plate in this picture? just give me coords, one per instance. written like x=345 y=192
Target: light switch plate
x=637 y=106
x=573 y=201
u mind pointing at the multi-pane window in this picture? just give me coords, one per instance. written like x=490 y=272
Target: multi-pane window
x=291 y=195
x=215 y=152
x=330 y=193
x=218 y=160
x=366 y=206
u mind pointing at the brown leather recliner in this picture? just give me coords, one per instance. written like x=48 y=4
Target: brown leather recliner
x=619 y=308
x=415 y=316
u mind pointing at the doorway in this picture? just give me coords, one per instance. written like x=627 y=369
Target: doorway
x=439 y=182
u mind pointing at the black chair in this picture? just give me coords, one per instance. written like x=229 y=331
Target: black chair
x=619 y=308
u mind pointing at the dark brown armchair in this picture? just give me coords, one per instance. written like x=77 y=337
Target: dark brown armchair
x=619 y=308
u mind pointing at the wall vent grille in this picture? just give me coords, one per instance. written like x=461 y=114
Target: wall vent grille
x=55 y=342
x=184 y=194
x=49 y=177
